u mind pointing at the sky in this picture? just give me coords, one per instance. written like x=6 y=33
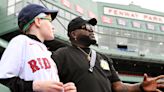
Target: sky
x=157 y=5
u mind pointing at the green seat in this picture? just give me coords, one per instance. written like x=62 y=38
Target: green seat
x=3 y=88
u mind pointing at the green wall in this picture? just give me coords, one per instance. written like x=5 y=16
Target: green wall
x=7 y=23
x=133 y=8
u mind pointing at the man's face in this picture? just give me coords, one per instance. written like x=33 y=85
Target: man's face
x=85 y=35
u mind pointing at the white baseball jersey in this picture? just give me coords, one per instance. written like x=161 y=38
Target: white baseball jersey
x=28 y=59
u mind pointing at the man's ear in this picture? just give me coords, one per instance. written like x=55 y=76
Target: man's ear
x=37 y=22
x=73 y=34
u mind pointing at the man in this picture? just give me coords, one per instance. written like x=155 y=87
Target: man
x=26 y=64
x=92 y=71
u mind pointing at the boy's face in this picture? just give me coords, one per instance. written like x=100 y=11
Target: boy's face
x=46 y=28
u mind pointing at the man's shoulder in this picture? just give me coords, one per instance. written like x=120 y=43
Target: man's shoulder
x=104 y=56
x=65 y=49
x=61 y=52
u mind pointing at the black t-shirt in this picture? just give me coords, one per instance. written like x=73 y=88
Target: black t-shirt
x=73 y=66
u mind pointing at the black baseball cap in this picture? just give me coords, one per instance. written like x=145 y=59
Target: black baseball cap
x=29 y=12
x=78 y=22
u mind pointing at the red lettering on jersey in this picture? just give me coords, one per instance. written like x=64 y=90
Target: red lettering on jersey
x=46 y=63
x=33 y=65
x=40 y=63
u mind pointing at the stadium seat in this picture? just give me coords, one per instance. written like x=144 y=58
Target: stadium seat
x=4 y=88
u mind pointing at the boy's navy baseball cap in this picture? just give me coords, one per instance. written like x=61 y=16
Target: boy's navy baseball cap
x=78 y=22
x=29 y=12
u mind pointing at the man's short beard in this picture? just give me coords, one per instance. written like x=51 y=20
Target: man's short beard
x=86 y=40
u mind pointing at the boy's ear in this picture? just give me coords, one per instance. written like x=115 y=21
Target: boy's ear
x=37 y=22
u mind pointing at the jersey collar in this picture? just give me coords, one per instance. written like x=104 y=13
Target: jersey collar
x=33 y=37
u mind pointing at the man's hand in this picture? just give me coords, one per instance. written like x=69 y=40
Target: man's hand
x=69 y=87
x=152 y=84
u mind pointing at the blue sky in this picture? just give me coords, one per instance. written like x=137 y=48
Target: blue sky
x=157 y=5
